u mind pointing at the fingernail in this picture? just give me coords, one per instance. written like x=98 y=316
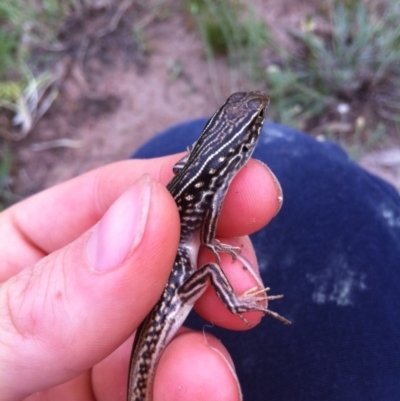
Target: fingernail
x=121 y=229
x=277 y=184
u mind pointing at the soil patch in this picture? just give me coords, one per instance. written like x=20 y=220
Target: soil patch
x=118 y=92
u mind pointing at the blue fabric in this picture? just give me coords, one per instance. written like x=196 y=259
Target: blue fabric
x=334 y=251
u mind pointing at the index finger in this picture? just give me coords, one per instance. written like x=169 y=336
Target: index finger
x=55 y=217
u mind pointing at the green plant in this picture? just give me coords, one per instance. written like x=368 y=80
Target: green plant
x=33 y=97
x=25 y=23
x=10 y=32
x=230 y=29
x=293 y=100
x=6 y=196
x=356 y=62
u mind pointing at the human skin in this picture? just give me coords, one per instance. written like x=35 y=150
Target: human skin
x=81 y=265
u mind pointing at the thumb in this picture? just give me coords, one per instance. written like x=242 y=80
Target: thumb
x=78 y=304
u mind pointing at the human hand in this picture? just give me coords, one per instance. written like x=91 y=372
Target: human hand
x=74 y=289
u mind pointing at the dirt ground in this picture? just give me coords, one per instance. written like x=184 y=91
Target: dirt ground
x=116 y=95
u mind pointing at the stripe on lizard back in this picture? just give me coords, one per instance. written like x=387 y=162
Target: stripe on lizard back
x=199 y=187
